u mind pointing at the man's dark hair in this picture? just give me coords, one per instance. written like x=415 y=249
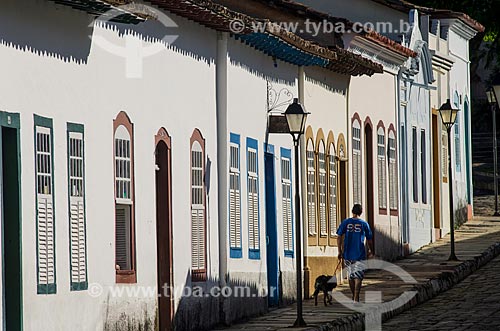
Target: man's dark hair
x=357 y=209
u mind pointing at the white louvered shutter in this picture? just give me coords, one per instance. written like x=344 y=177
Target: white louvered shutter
x=234 y=197
x=77 y=210
x=356 y=162
x=311 y=191
x=286 y=204
x=322 y=190
x=381 y=167
x=393 y=175
x=332 y=190
x=45 y=211
x=78 y=263
x=444 y=152
x=198 y=240
x=253 y=200
x=46 y=259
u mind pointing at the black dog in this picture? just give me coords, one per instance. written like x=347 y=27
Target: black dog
x=323 y=284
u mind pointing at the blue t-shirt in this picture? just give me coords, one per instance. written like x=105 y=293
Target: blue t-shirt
x=355 y=231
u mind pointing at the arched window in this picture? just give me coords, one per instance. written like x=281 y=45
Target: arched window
x=332 y=190
x=356 y=161
x=393 y=172
x=311 y=189
x=124 y=199
x=381 y=167
x=322 y=189
x=198 y=227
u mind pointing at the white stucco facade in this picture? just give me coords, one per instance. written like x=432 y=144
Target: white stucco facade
x=88 y=85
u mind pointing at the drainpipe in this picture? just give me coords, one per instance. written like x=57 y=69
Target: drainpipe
x=221 y=104
x=303 y=169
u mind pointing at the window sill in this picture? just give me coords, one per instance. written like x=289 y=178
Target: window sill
x=199 y=275
x=126 y=277
x=254 y=254
x=235 y=253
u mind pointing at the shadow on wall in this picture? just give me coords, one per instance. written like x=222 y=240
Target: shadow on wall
x=61 y=32
x=205 y=305
x=386 y=241
x=329 y=80
x=261 y=65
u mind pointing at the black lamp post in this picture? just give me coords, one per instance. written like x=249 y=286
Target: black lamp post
x=449 y=115
x=493 y=101
x=295 y=118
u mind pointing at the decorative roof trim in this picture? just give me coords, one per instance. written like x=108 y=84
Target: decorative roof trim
x=378 y=53
x=404 y=6
x=441 y=61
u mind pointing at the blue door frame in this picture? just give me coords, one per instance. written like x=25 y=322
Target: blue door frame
x=271 y=227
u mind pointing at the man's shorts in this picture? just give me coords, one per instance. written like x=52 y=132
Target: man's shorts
x=355 y=269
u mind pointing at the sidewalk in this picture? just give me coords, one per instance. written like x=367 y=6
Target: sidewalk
x=477 y=242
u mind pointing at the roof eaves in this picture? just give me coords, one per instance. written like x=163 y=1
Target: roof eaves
x=389 y=43
x=404 y=6
x=123 y=11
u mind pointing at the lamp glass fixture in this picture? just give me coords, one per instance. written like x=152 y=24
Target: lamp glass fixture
x=496 y=87
x=490 y=93
x=448 y=114
x=296 y=117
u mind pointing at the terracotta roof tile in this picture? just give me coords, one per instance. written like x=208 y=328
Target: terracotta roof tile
x=403 y=5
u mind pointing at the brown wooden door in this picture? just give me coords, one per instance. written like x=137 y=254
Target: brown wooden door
x=164 y=231
x=369 y=209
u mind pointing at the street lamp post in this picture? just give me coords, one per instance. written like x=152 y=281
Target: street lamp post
x=296 y=120
x=493 y=101
x=448 y=116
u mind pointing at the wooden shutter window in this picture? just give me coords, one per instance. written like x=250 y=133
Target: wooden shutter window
x=393 y=174
x=122 y=236
x=125 y=264
x=78 y=245
x=253 y=199
x=311 y=190
x=423 y=162
x=286 y=201
x=234 y=198
x=332 y=191
x=198 y=217
x=46 y=278
x=356 y=162
x=444 y=153
x=381 y=171
x=322 y=190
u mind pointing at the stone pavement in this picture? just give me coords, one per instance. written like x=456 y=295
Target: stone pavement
x=477 y=243
x=473 y=304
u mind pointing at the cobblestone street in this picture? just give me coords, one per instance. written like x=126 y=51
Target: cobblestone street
x=434 y=275
x=471 y=305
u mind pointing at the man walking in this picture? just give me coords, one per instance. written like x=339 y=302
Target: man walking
x=351 y=244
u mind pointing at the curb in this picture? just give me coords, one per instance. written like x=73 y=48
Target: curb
x=425 y=292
